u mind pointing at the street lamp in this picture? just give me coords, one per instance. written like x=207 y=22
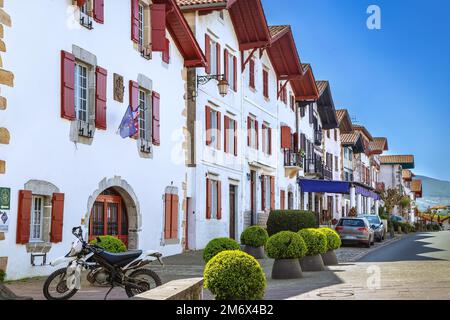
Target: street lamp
x=222 y=84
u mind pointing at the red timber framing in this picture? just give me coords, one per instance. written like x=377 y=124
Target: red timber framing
x=305 y=88
x=182 y=35
x=247 y=16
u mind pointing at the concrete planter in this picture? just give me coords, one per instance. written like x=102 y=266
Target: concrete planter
x=330 y=258
x=312 y=263
x=255 y=252
x=286 y=269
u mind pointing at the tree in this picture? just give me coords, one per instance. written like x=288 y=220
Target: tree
x=391 y=198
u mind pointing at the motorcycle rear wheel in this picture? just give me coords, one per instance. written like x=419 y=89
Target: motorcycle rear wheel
x=60 y=288
x=153 y=281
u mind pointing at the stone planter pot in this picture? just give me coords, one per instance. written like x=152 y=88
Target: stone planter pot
x=330 y=258
x=286 y=269
x=255 y=252
x=312 y=263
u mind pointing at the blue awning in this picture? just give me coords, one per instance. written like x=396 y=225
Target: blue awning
x=367 y=193
x=322 y=186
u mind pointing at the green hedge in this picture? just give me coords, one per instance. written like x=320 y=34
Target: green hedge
x=316 y=241
x=235 y=275
x=286 y=245
x=333 y=239
x=110 y=244
x=254 y=236
x=290 y=220
x=218 y=245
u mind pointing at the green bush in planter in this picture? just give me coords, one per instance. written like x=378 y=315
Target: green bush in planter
x=235 y=275
x=316 y=241
x=333 y=239
x=110 y=244
x=290 y=220
x=218 y=245
x=254 y=236
x=286 y=245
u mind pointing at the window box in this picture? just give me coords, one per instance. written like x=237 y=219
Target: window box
x=85 y=129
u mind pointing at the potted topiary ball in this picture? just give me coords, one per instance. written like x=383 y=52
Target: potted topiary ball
x=235 y=275
x=316 y=243
x=254 y=239
x=110 y=244
x=286 y=248
x=218 y=245
x=334 y=242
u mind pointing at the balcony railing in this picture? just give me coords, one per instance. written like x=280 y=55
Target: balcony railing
x=318 y=135
x=292 y=159
x=314 y=167
x=327 y=173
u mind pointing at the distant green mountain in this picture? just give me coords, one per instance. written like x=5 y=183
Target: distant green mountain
x=435 y=192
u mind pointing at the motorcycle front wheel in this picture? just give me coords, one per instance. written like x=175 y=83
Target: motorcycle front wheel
x=55 y=287
x=146 y=279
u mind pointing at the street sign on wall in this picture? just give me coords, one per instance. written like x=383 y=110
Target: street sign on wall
x=5 y=198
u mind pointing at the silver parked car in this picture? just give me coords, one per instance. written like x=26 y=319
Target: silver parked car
x=356 y=230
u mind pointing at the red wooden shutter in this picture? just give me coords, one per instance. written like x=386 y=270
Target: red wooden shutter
x=272 y=193
x=135 y=20
x=208 y=126
x=219 y=200
x=218 y=54
x=99 y=11
x=235 y=138
x=219 y=130
x=286 y=142
x=56 y=232
x=235 y=74
x=100 y=98
x=270 y=140
x=81 y=3
x=166 y=52
x=295 y=139
x=252 y=74
x=23 y=217
x=226 y=64
x=266 y=83
x=208 y=53
x=174 y=217
x=134 y=100
x=282 y=199
x=249 y=131
x=263 y=193
x=156 y=115
x=264 y=137
x=167 y=215
x=257 y=134
x=67 y=86
x=208 y=199
x=225 y=135
x=158 y=13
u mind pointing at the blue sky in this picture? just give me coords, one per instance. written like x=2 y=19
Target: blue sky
x=395 y=81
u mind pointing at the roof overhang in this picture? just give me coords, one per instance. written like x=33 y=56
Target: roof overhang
x=357 y=146
x=182 y=35
x=345 y=123
x=305 y=88
x=364 y=131
x=284 y=56
x=325 y=104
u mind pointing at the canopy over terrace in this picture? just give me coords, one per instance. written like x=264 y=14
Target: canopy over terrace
x=338 y=187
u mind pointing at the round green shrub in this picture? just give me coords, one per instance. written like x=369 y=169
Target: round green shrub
x=333 y=239
x=235 y=275
x=110 y=244
x=290 y=220
x=218 y=245
x=254 y=236
x=316 y=241
x=286 y=245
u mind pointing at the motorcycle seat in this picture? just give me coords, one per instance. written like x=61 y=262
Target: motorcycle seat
x=120 y=259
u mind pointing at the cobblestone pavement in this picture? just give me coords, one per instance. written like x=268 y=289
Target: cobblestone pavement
x=190 y=265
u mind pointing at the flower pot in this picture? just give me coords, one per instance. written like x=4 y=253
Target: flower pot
x=286 y=269
x=330 y=258
x=255 y=252
x=312 y=263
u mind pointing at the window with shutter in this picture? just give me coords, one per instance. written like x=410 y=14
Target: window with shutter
x=171 y=204
x=257 y=134
x=226 y=57
x=208 y=199
x=234 y=73
x=134 y=101
x=100 y=98
x=57 y=218
x=67 y=86
x=213 y=199
x=158 y=19
x=266 y=83
x=156 y=122
x=166 y=52
x=208 y=128
x=286 y=135
x=136 y=22
x=24 y=217
x=218 y=62
x=99 y=11
x=252 y=73
x=208 y=53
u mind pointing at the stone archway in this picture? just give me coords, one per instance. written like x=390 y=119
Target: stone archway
x=131 y=203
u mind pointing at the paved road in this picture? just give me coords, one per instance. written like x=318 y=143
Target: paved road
x=419 y=247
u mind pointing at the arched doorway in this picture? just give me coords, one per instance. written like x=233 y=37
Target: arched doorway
x=109 y=216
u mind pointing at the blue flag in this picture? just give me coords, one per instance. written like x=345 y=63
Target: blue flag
x=130 y=124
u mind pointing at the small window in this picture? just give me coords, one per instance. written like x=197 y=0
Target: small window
x=37 y=215
x=267 y=192
x=85 y=14
x=251 y=73
x=214 y=199
x=81 y=92
x=266 y=83
x=143 y=119
x=141 y=24
x=231 y=135
x=231 y=71
x=214 y=129
x=213 y=57
x=253 y=134
x=266 y=137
